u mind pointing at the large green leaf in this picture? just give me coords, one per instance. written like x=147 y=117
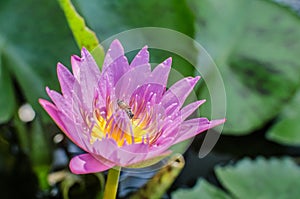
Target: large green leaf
x=286 y=130
x=254 y=45
x=202 y=190
x=261 y=178
x=82 y=34
x=110 y=17
x=7 y=99
x=36 y=37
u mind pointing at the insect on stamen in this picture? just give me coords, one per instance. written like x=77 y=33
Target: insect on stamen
x=122 y=105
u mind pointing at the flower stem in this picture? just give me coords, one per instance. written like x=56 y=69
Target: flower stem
x=112 y=182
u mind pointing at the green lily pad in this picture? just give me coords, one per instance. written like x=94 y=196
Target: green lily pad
x=286 y=130
x=254 y=45
x=202 y=190
x=110 y=17
x=35 y=40
x=261 y=178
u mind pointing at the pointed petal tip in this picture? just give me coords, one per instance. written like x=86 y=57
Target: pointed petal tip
x=144 y=51
x=217 y=122
x=75 y=58
x=193 y=80
x=47 y=90
x=168 y=62
x=59 y=68
x=141 y=58
x=85 y=52
x=197 y=78
x=75 y=62
x=43 y=102
x=116 y=44
x=116 y=41
x=59 y=64
x=200 y=102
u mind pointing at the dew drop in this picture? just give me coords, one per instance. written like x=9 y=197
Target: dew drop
x=58 y=138
x=26 y=113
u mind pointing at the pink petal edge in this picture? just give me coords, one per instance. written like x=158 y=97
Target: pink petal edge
x=141 y=58
x=190 y=108
x=115 y=51
x=86 y=163
x=53 y=112
x=160 y=73
x=66 y=80
x=195 y=130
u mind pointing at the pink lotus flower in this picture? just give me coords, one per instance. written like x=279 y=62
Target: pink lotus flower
x=123 y=115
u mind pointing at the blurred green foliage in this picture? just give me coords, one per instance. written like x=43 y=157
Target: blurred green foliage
x=34 y=36
x=261 y=178
x=255 y=45
x=202 y=190
x=247 y=179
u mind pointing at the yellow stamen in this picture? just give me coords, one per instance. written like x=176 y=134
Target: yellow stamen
x=134 y=130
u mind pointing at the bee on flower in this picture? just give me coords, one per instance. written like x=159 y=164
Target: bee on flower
x=125 y=107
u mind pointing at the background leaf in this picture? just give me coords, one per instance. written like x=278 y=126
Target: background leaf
x=286 y=130
x=110 y=17
x=261 y=178
x=202 y=190
x=82 y=34
x=35 y=40
x=7 y=100
x=253 y=43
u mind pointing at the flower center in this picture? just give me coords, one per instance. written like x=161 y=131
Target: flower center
x=127 y=123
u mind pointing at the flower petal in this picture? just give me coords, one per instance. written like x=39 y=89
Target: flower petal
x=86 y=163
x=53 y=112
x=114 y=52
x=66 y=80
x=137 y=153
x=176 y=95
x=59 y=101
x=87 y=74
x=130 y=81
x=75 y=62
x=128 y=154
x=149 y=161
x=141 y=58
x=160 y=73
x=108 y=149
x=65 y=123
x=195 y=126
x=150 y=94
x=116 y=69
x=115 y=63
x=189 y=109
